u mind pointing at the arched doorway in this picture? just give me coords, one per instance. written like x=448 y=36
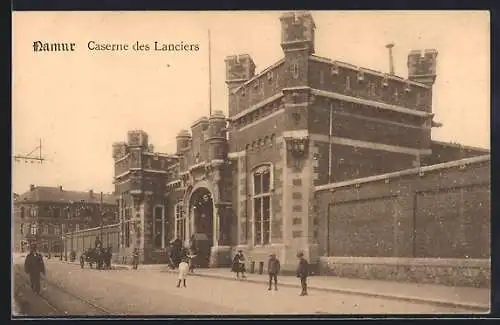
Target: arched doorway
x=201 y=207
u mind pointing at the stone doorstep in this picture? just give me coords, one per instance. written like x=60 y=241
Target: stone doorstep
x=395 y=296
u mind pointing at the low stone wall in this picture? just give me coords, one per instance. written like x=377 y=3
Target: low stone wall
x=452 y=272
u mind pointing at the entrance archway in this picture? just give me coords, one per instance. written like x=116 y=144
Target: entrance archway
x=201 y=208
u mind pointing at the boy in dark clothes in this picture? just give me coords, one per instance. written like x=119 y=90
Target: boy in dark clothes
x=302 y=273
x=273 y=268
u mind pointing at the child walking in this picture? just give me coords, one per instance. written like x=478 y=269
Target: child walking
x=183 y=273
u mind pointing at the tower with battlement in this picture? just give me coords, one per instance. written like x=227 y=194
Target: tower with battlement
x=140 y=182
x=422 y=66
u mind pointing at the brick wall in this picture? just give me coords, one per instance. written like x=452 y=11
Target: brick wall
x=435 y=211
x=443 y=152
x=259 y=89
x=453 y=272
x=350 y=162
x=371 y=87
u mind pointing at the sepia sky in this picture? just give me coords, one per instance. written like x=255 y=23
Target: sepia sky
x=80 y=102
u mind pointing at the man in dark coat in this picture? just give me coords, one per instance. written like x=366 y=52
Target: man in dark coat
x=109 y=256
x=33 y=266
x=273 y=268
x=302 y=273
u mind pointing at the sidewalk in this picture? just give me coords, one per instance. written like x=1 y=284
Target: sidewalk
x=477 y=299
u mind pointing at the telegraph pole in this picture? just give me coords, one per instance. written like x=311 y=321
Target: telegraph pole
x=31 y=155
x=209 y=74
x=102 y=216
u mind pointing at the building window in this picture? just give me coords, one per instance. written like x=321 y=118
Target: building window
x=158 y=229
x=295 y=70
x=33 y=229
x=22 y=212
x=347 y=83
x=56 y=230
x=57 y=213
x=262 y=205
x=22 y=229
x=45 y=229
x=127 y=234
x=180 y=222
x=77 y=227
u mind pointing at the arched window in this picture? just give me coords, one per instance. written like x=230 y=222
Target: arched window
x=180 y=224
x=262 y=205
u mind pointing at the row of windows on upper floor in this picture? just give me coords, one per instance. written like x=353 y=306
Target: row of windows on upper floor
x=34 y=229
x=67 y=212
x=257 y=114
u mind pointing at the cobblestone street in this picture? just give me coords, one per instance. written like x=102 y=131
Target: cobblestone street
x=154 y=292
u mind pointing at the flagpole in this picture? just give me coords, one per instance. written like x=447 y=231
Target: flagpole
x=209 y=74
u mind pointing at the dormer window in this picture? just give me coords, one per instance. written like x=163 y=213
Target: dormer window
x=361 y=75
x=270 y=76
x=385 y=81
x=256 y=84
x=334 y=70
x=243 y=92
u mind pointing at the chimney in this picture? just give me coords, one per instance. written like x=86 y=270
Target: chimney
x=391 y=59
x=32 y=187
x=91 y=194
x=60 y=188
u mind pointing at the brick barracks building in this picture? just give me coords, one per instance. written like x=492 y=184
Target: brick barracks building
x=265 y=178
x=43 y=214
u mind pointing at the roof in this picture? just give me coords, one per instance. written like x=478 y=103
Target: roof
x=57 y=194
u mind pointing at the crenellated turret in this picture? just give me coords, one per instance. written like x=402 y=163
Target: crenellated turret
x=119 y=150
x=422 y=66
x=216 y=136
x=183 y=140
x=137 y=138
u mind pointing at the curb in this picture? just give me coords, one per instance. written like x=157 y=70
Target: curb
x=453 y=304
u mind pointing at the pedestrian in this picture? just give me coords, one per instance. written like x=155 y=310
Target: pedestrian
x=183 y=272
x=273 y=268
x=238 y=265
x=108 y=257
x=34 y=266
x=82 y=260
x=302 y=273
x=135 y=258
x=191 y=258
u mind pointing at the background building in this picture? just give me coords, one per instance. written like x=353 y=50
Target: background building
x=43 y=214
x=302 y=137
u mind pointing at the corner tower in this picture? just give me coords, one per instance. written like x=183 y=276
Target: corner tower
x=297 y=31
x=422 y=66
